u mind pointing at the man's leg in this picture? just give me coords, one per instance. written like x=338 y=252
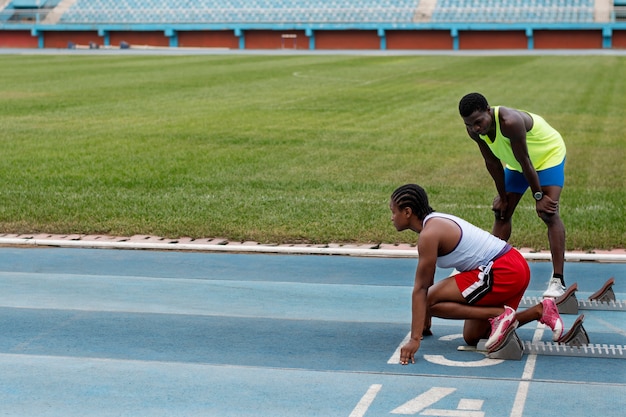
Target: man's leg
x=502 y=227
x=556 y=239
x=556 y=232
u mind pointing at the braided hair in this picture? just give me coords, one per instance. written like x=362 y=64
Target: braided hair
x=414 y=197
x=471 y=103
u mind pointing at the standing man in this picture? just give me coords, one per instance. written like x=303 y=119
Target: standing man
x=534 y=156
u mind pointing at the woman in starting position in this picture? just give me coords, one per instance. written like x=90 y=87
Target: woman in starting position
x=487 y=290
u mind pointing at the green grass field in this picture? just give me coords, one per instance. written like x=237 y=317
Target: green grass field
x=282 y=149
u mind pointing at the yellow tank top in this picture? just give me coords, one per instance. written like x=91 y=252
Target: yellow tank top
x=546 y=147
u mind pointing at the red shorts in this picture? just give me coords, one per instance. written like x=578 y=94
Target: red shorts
x=505 y=285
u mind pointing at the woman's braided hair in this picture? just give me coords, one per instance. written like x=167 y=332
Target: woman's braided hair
x=414 y=197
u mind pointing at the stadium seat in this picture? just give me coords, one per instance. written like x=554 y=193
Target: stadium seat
x=333 y=11
x=238 y=11
x=514 y=11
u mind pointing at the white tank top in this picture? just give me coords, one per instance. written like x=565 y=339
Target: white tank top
x=476 y=247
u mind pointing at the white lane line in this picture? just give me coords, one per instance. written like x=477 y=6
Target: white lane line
x=524 y=385
x=366 y=401
x=395 y=358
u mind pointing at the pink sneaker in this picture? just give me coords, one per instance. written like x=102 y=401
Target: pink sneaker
x=551 y=318
x=501 y=327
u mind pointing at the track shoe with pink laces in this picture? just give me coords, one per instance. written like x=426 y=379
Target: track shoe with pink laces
x=551 y=318
x=501 y=326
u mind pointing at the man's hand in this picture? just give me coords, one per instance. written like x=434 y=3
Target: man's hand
x=499 y=207
x=407 y=353
x=547 y=205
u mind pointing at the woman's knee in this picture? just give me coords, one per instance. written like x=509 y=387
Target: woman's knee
x=435 y=301
x=475 y=330
x=471 y=340
x=442 y=291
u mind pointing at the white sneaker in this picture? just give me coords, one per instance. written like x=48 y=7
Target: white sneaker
x=555 y=289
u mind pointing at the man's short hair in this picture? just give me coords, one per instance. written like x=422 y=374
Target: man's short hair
x=472 y=102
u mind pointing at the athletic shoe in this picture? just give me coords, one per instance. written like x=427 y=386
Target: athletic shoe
x=501 y=326
x=555 y=289
x=551 y=318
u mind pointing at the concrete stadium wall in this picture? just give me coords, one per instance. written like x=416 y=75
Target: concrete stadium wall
x=17 y=39
x=62 y=39
x=619 y=39
x=208 y=39
x=411 y=39
x=505 y=39
x=151 y=38
x=568 y=39
x=450 y=37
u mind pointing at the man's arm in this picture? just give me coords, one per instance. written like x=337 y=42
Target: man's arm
x=494 y=167
x=496 y=170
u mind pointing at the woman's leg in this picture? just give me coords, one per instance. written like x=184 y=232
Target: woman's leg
x=474 y=330
x=446 y=301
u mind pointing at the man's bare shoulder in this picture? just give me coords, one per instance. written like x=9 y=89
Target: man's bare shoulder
x=512 y=122
x=509 y=115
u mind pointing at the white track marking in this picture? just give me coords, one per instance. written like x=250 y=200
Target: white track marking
x=366 y=401
x=423 y=401
x=529 y=370
x=395 y=358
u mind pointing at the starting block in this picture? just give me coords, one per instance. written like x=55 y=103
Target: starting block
x=512 y=348
x=603 y=299
x=577 y=335
x=574 y=343
x=604 y=294
x=568 y=303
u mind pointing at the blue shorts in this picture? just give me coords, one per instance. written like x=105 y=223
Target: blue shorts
x=515 y=182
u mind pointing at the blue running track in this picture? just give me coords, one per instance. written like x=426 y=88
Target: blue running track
x=94 y=332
